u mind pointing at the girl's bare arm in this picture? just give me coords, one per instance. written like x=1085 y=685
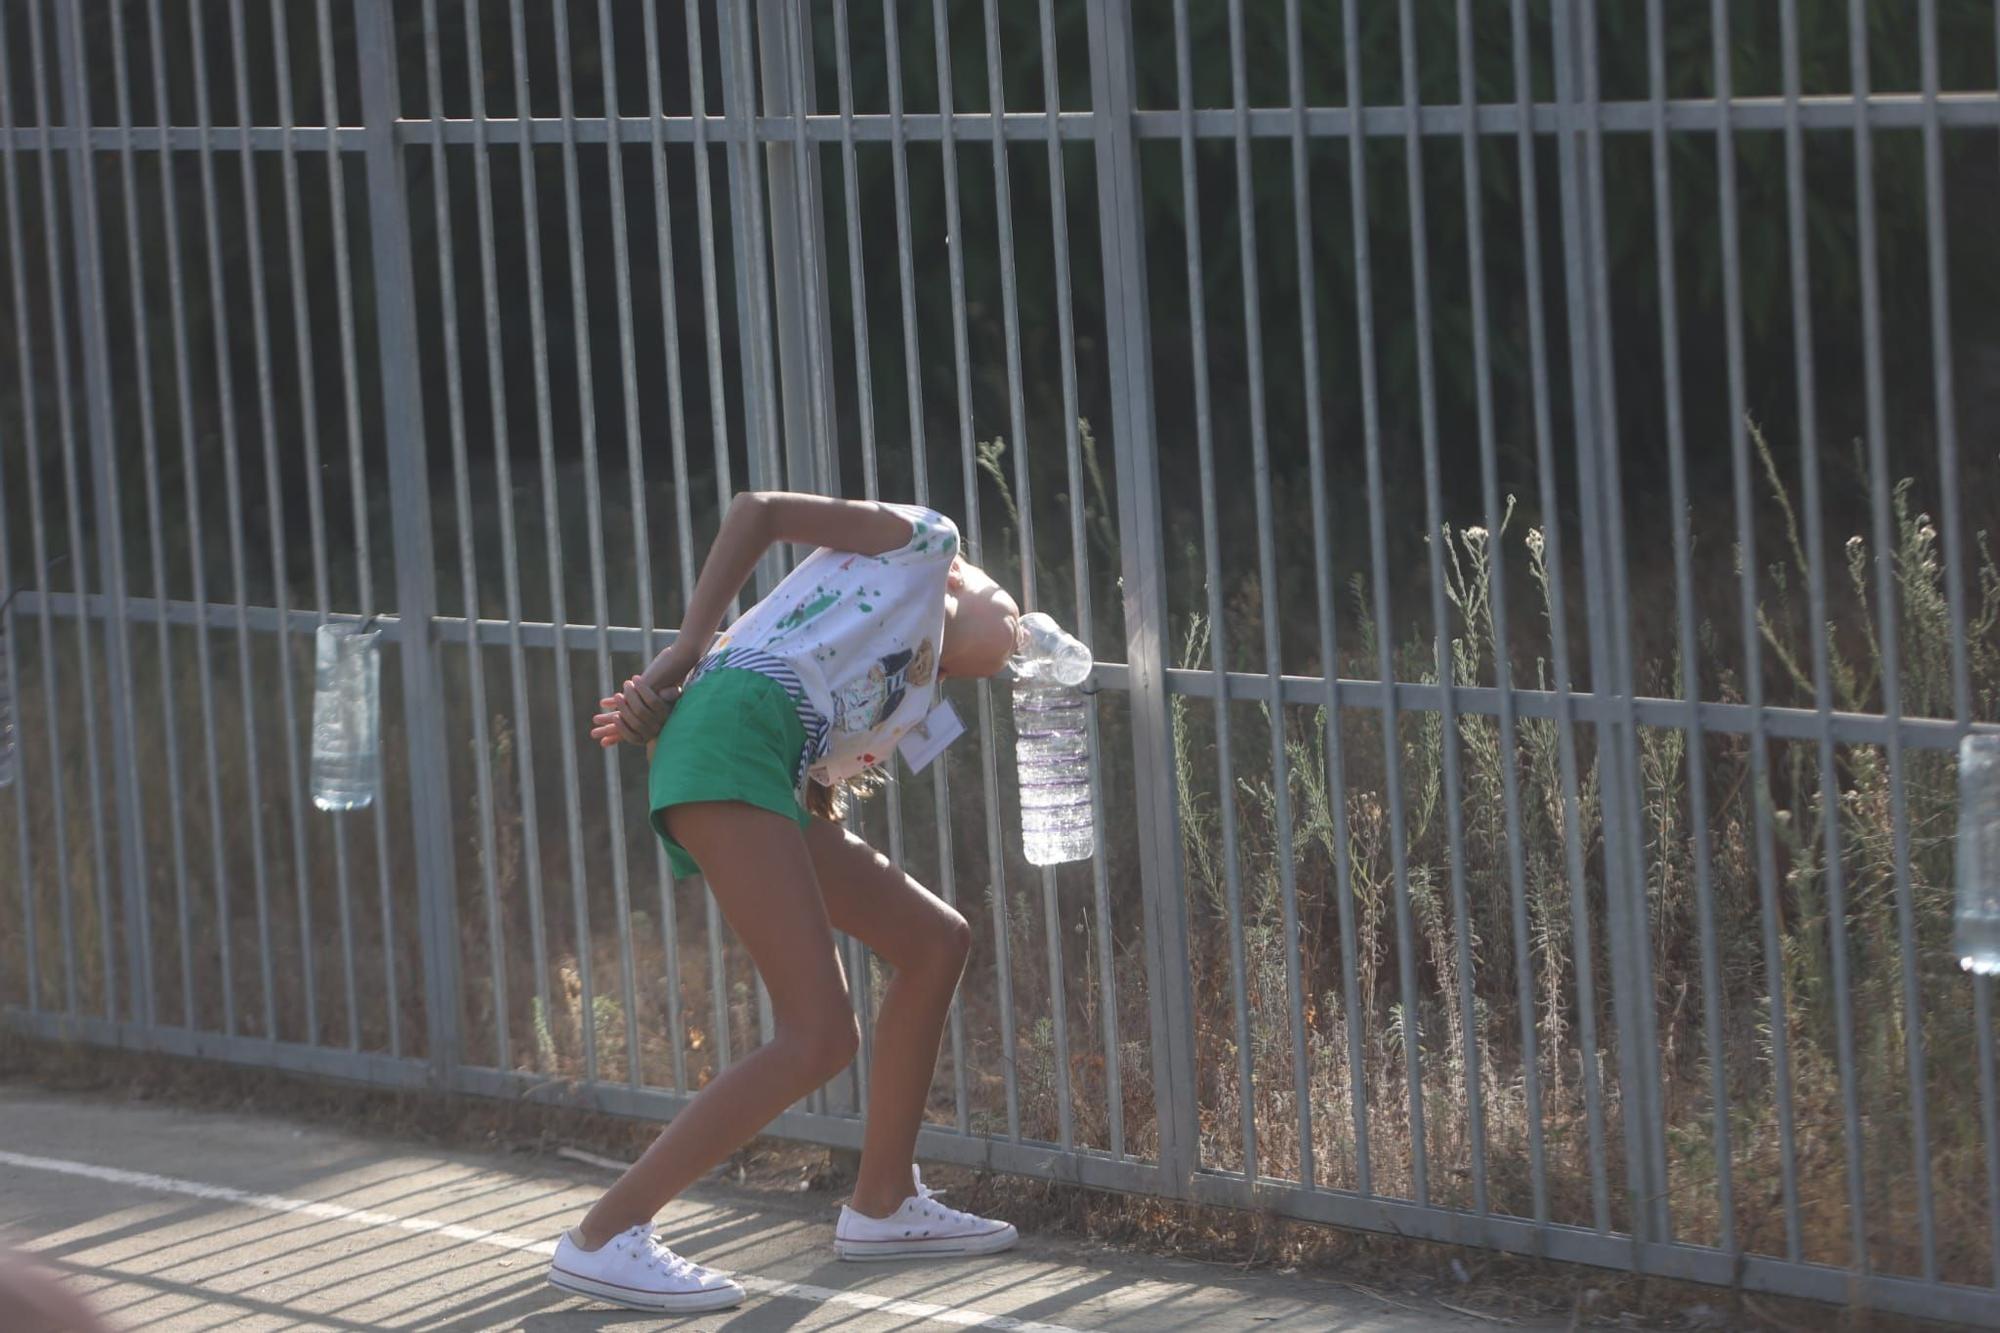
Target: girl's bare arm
x=755 y=521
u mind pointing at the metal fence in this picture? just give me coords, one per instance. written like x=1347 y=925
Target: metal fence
x=1266 y=991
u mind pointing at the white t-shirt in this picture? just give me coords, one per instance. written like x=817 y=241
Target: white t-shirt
x=864 y=633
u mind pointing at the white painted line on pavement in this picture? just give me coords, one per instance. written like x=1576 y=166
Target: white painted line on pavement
x=364 y=1217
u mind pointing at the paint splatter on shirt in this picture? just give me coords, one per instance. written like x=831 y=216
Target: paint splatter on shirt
x=863 y=633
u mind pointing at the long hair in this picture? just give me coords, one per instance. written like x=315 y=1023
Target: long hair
x=824 y=802
x=831 y=803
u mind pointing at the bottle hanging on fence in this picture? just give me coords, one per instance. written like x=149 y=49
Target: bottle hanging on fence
x=1977 y=934
x=347 y=717
x=1052 y=744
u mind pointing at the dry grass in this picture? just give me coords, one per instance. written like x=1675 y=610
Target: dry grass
x=523 y=967
x=1557 y=906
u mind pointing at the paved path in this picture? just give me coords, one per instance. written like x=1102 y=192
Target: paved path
x=184 y=1220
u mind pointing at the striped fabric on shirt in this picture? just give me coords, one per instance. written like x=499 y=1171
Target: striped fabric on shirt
x=818 y=730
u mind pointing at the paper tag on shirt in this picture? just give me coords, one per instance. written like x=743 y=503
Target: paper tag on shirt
x=928 y=739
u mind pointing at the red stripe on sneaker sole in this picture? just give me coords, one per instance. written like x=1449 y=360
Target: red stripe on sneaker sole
x=919 y=1240
x=643 y=1291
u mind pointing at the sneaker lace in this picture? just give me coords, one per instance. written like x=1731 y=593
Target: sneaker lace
x=675 y=1266
x=926 y=1196
x=645 y=1245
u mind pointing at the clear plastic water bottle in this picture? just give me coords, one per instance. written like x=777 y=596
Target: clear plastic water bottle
x=1977 y=937
x=1052 y=744
x=347 y=717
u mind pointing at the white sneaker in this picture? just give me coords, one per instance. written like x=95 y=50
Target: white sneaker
x=634 y=1270
x=921 y=1228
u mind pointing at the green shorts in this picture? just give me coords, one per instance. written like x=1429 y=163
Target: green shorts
x=734 y=735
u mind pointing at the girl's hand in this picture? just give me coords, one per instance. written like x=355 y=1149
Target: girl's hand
x=634 y=715
x=671 y=667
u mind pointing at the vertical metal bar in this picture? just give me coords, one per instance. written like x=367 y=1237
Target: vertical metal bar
x=763 y=419
x=10 y=632
x=156 y=538
x=1436 y=536
x=995 y=852
x=1981 y=985
x=848 y=1094
x=184 y=403
x=920 y=480
x=1080 y=546
x=232 y=488
x=1267 y=579
x=416 y=583
x=798 y=279
x=1982 y=1016
x=275 y=507
x=1647 y=1157
x=1392 y=746
x=1010 y=305
x=302 y=325
x=1586 y=425
x=1829 y=780
x=788 y=90
x=1323 y=588
x=1496 y=579
x=899 y=163
x=38 y=531
x=705 y=213
x=1753 y=658
x=1690 y=660
x=746 y=245
x=1885 y=562
x=763 y=466
x=684 y=523
x=1572 y=812
x=1951 y=538
x=552 y=531
x=1944 y=397
x=594 y=509
x=806 y=206
x=857 y=283
x=775 y=284
x=718 y=421
x=72 y=508
x=1017 y=426
x=864 y=400
x=636 y=482
x=343 y=286
x=132 y=879
x=510 y=564
x=467 y=558
x=1128 y=346
x=1602 y=517
x=111 y=529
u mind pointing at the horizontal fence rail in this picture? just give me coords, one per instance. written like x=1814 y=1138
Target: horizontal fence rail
x=1880 y=111
x=1524 y=470
x=1354 y=691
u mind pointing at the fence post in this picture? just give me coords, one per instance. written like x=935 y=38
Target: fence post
x=762 y=422
x=798 y=249
x=1128 y=343
x=110 y=523
x=803 y=333
x=1627 y=905
x=410 y=512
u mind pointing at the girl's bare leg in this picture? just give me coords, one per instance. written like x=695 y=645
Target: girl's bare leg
x=758 y=866
x=926 y=941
